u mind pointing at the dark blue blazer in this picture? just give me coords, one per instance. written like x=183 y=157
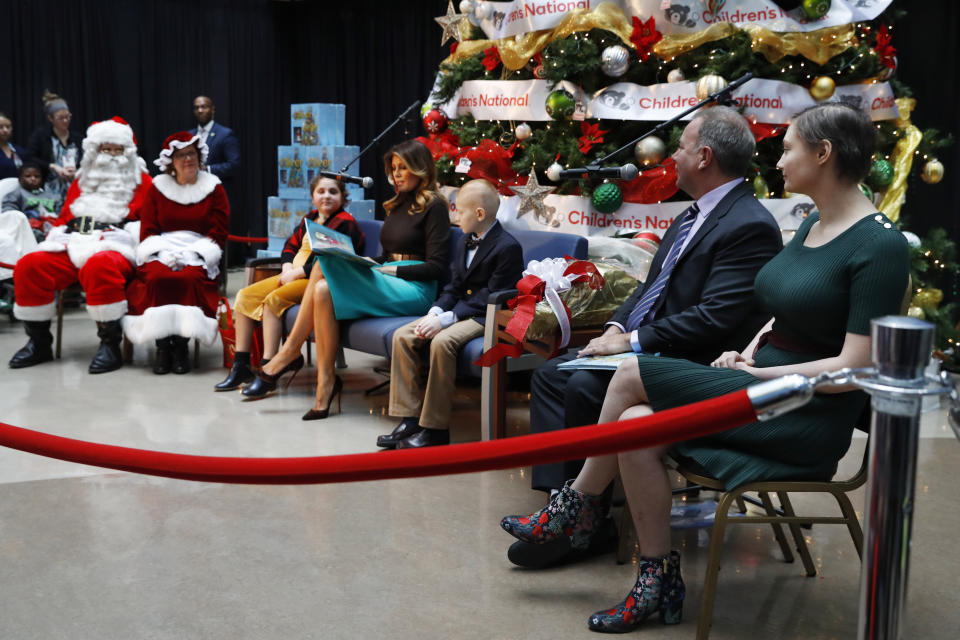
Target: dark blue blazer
x=223 y=159
x=497 y=265
x=708 y=306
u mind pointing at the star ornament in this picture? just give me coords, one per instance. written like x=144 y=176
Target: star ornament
x=531 y=197
x=449 y=23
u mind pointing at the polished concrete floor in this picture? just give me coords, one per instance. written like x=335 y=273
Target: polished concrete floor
x=94 y=554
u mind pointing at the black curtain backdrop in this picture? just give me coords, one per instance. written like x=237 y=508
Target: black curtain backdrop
x=146 y=60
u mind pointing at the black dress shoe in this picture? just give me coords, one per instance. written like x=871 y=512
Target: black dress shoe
x=240 y=374
x=405 y=429
x=559 y=552
x=425 y=438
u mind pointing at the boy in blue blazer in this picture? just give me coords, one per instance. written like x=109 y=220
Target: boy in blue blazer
x=487 y=259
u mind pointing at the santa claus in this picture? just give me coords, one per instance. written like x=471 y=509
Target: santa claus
x=93 y=242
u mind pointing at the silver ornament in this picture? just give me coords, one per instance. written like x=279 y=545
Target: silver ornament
x=553 y=172
x=614 y=60
x=467 y=6
x=676 y=75
x=484 y=9
x=523 y=131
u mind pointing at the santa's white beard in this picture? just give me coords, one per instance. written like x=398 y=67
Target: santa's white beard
x=107 y=184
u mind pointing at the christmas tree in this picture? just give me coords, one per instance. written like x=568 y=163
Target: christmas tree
x=533 y=87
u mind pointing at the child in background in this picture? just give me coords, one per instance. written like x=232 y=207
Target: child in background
x=32 y=199
x=487 y=259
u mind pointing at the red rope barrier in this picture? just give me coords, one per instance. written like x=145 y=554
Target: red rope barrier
x=250 y=239
x=682 y=423
x=4 y=265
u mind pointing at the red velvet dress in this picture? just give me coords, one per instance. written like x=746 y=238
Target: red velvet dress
x=183 y=230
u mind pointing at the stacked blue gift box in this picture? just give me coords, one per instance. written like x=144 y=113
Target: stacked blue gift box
x=317 y=136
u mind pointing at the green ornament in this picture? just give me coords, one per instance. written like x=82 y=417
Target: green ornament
x=560 y=104
x=880 y=176
x=760 y=188
x=867 y=191
x=607 y=198
x=816 y=9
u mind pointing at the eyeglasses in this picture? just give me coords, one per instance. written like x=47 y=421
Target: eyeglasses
x=113 y=151
x=181 y=155
x=63 y=117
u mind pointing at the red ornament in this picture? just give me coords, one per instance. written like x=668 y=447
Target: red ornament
x=435 y=121
x=592 y=135
x=885 y=50
x=491 y=58
x=644 y=36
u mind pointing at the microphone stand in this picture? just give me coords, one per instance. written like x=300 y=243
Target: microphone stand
x=402 y=116
x=722 y=96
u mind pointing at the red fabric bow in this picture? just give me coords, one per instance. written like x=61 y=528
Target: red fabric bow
x=652 y=185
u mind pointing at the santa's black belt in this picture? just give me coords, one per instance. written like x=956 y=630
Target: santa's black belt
x=87 y=224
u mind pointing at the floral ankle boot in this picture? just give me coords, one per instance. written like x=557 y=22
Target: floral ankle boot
x=570 y=513
x=659 y=587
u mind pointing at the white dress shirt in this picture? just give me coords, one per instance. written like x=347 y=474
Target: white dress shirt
x=448 y=318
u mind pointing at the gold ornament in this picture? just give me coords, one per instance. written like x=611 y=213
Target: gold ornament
x=650 y=151
x=708 y=85
x=932 y=171
x=928 y=297
x=916 y=312
x=822 y=88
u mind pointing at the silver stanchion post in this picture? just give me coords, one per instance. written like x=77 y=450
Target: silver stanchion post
x=901 y=350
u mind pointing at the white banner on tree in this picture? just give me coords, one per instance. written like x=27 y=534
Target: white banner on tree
x=770 y=101
x=689 y=16
x=573 y=214
x=673 y=16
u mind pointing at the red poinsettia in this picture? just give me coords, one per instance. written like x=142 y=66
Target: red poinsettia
x=884 y=49
x=491 y=58
x=644 y=36
x=592 y=135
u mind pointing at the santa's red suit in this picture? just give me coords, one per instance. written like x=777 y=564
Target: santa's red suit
x=182 y=234
x=111 y=190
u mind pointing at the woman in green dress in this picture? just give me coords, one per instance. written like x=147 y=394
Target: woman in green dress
x=415 y=238
x=846 y=264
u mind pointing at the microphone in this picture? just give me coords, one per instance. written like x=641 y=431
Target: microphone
x=366 y=183
x=626 y=172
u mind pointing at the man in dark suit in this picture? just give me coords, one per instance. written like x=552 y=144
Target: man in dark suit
x=697 y=300
x=223 y=159
x=487 y=259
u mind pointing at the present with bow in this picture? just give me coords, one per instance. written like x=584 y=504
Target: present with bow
x=560 y=294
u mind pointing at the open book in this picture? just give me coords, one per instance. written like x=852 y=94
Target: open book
x=329 y=242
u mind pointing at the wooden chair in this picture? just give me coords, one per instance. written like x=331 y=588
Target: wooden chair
x=73 y=291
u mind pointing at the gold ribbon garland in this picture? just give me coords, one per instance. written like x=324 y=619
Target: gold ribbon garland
x=902 y=160
x=818 y=46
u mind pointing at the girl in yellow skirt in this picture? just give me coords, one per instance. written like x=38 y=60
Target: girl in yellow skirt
x=266 y=301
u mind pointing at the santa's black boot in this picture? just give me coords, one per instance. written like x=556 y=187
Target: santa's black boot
x=38 y=349
x=109 y=356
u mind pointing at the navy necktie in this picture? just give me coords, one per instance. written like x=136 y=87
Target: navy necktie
x=642 y=308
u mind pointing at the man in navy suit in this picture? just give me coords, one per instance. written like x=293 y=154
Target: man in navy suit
x=487 y=259
x=223 y=159
x=703 y=306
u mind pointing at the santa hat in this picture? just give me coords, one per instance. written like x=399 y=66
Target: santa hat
x=114 y=131
x=180 y=140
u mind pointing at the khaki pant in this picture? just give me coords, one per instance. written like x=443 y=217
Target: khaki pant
x=266 y=293
x=406 y=389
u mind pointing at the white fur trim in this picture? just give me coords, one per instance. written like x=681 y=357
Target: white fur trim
x=110 y=131
x=170 y=320
x=179 y=249
x=81 y=247
x=186 y=193
x=107 y=312
x=38 y=313
x=167 y=152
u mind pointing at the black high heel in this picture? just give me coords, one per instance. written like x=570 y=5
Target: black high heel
x=266 y=384
x=320 y=414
